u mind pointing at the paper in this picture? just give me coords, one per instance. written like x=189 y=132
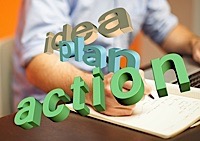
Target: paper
x=164 y=117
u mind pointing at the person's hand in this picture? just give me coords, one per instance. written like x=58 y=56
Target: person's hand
x=196 y=49
x=113 y=108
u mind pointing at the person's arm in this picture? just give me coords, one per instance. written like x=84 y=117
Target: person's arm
x=183 y=41
x=163 y=28
x=48 y=72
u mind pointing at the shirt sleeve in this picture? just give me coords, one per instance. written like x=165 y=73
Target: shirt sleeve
x=37 y=18
x=159 y=20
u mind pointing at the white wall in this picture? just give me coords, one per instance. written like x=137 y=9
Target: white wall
x=5 y=77
x=196 y=16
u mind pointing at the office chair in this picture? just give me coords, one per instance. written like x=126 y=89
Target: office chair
x=6 y=76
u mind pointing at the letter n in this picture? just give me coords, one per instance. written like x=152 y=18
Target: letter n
x=133 y=59
x=170 y=61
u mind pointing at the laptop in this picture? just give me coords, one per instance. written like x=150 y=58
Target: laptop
x=193 y=70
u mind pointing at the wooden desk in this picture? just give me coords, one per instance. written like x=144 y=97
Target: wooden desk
x=78 y=128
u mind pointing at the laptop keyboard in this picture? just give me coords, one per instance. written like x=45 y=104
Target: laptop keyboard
x=194 y=80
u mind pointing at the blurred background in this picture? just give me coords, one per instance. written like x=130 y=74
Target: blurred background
x=186 y=10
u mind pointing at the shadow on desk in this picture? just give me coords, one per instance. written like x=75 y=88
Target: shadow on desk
x=76 y=128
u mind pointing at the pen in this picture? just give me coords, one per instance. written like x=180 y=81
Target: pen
x=151 y=96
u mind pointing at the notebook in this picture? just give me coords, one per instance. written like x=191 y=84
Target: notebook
x=163 y=117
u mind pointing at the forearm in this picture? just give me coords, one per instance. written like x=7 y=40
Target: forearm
x=47 y=72
x=180 y=40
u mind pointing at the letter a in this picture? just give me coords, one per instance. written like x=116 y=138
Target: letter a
x=115 y=22
x=29 y=114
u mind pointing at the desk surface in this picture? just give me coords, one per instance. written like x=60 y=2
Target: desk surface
x=77 y=128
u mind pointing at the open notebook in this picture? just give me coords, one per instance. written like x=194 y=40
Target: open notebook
x=164 y=117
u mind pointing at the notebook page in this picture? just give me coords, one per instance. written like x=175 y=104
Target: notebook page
x=163 y=117
x=174 y=89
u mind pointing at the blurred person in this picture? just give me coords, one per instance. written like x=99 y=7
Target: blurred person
x=37 y=73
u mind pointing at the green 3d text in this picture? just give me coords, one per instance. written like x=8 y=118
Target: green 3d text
x=73 y=42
